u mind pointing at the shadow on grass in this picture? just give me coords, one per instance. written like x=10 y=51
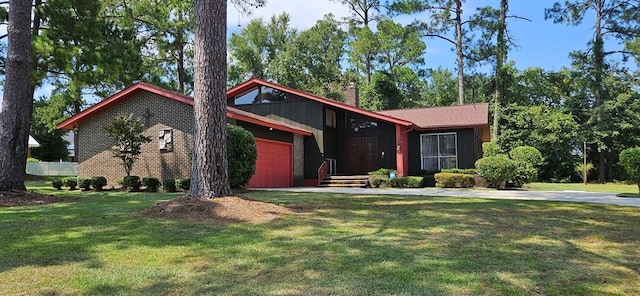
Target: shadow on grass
x=339 y=245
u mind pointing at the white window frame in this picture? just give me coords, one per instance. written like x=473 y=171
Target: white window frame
x=439 y=156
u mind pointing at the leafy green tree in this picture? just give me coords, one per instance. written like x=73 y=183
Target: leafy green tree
x=614 y=19
x=261 y=50
x=630 y=161
x=362 y=48
x=127 y=134
x=440 y=89
x=381 y=93
x=551 y=131
x=319 y=52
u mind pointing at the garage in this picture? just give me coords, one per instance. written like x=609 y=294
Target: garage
x=274 y=166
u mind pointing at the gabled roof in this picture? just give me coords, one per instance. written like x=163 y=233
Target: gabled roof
x=234 y=113
x=462 y=116
x=254 y=82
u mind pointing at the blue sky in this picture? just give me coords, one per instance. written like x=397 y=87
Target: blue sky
x=540 y=42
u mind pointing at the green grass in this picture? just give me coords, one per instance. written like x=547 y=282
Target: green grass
x=341 y=245
x=607 y=187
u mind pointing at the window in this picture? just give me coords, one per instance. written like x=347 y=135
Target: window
x=260 y=95
x=439 y=151
x=330 y=118
x=165 y=140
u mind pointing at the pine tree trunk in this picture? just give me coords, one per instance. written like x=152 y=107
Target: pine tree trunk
x=209 y=176
x=459 y=52
x=501 y=56
x=17 y=104
x=598 y=61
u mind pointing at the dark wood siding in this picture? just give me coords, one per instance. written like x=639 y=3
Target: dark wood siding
x=302 y=113
x=384 y=132
x=468 y=143
x=265 y=133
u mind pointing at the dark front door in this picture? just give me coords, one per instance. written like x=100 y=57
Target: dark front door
x=362 y=155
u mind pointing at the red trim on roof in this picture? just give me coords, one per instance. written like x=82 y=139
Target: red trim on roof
x=253 y=82
x=75 y=120
x=234 y=113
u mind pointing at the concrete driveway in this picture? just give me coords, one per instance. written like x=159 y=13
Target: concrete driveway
x=570 y=196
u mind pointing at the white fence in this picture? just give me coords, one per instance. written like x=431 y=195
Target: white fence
x=52 y=168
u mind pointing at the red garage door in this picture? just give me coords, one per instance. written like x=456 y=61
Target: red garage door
x=274 y=165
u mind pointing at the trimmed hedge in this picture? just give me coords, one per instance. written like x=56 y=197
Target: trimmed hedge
x=151 y=183
x=491 y=149
x=70 y=182
x=496 y=169
x=400 y=182
x=132 y=183
x=381 y=172
x=84 y=183
x=56 y=183
x=169 y=185
x=184 y=183
x=98 y=182
x=454 y=180
x=460 y=171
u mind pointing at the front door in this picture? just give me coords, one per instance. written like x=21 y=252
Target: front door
x=362 y=155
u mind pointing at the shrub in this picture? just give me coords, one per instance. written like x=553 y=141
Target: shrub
x=397 y=182
x=496 y=169
x=151 y=183
x=381 y=172
x=413 y=182
x=454 y=180
x=241 y=155
x=491 y=149
x=527 y=158
x=31 y=159
x=183 y=184
x=630 y=161
x=526 y=154
x=70 y=182
x=379 y=180
x=460 y=171
x=132 y=183
x=169 y=185
x=84 y=183
x=580 y=169
x=56 y=183
x=98 y=182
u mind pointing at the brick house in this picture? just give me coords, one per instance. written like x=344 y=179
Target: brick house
x=300 y=137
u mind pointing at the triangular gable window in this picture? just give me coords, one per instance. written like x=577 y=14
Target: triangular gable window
x=260 y=95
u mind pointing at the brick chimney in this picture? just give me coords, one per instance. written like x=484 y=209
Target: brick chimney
x=352 y=95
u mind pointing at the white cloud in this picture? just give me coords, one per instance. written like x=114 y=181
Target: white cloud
x=304 y=14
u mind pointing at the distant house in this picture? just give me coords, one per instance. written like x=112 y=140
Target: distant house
x=297 y=134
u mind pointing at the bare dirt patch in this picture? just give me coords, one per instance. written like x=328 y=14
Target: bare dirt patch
x=227 y=209
x=14 y=198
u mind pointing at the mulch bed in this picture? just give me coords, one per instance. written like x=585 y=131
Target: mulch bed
x=227 y=209
x=14 y=198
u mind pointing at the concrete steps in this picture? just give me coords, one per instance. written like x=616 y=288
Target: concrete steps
x=357 y=181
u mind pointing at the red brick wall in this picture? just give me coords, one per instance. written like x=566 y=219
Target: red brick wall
x=95 y=160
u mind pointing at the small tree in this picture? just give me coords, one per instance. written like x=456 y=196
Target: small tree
x=630 y=161
x=126 y=132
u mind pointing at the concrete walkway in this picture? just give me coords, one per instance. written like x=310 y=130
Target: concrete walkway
x=570 y=196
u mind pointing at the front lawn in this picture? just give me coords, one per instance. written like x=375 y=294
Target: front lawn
x=337 y=245
x=607 y=187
